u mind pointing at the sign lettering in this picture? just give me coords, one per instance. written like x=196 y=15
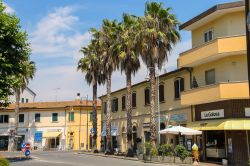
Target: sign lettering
x=214 y=114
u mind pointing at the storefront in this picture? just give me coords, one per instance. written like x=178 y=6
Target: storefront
x=52 y=140
x=114 y=138
x=225 y=127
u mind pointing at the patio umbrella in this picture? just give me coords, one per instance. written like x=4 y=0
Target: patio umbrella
x=179 y=130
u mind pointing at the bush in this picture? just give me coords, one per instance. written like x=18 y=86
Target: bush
x=148 y=147
x=166 y=150
x=180 y=151
x=4 y=162
x=154 y=152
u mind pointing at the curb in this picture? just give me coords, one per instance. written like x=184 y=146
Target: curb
x=18 y=158
x=109 y=156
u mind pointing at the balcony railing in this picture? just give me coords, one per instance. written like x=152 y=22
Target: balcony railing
x=215 y=92
x=213 y=50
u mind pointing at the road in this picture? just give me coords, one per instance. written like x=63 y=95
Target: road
x=74 y=159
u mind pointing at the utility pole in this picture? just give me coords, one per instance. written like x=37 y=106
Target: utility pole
x=247 y=16
x=87 y=127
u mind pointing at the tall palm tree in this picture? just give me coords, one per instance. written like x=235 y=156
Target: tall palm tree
x=20 y=83
x=129 y=64
x=90 y=65
x=110 y=62
x=157 y=37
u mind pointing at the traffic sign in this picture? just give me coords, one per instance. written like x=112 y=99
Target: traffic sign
x=27 y=146
x=23 y=145
x=27 y=153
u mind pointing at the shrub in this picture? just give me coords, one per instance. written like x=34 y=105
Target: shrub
x=166 y=150
x=154 y=152
x=180 y=151
x=4 y=162
x=148 y=147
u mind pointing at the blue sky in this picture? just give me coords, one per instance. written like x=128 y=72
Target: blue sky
x=57 y=30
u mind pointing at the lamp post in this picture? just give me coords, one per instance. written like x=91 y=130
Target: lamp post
x=247 y=15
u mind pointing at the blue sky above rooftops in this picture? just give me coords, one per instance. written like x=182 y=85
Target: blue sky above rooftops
x=57 y=29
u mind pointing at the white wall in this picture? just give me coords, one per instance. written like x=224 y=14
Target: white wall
x=26 y=95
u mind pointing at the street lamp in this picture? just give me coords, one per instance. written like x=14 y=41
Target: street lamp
x=158 y=103
x=247 y=15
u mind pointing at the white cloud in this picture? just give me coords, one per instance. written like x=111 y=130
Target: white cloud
x=55 y=35
x=8 y=9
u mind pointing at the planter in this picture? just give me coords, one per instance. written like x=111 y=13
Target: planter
x=146 y=157
x=188 y=160
x=156 y=159
x=140 y=156
x=168 y=159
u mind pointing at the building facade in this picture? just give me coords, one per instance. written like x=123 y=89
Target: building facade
x=208 y=91
x=27 y=96
x=47 y=126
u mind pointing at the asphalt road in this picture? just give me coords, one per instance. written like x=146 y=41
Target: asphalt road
x=74 y=159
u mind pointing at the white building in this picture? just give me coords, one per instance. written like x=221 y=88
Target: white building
x=27 y=96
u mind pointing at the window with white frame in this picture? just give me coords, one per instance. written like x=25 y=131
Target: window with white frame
x=208 y=35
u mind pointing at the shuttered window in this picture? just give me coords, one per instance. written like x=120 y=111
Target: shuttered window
x=147 y=96
x=178 y=87
x=134 y=100
x=210 y=77
x=124 y=103
x=115 y=105
x=161 y=93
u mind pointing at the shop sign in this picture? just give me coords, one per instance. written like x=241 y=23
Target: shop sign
x=162 y=119
x=178 y=117
x=247 y=112
x=145 y=125
x=214 y=114
x=38 y=137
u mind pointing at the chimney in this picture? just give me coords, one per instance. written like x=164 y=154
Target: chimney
x=78 y=98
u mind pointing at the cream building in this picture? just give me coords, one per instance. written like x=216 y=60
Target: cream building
x=214 y=95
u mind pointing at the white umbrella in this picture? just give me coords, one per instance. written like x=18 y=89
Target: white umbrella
x=179 y=130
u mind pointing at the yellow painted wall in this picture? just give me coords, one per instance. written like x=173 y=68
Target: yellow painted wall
x=80 y=128
x=226 y=25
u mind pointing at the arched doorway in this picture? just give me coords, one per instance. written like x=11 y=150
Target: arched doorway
x=134 y=137
x=163 y=136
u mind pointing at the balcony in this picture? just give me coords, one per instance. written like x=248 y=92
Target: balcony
x=213 y=50
x=216 y=92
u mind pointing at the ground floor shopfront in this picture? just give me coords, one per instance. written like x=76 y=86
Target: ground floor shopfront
x=225 y=127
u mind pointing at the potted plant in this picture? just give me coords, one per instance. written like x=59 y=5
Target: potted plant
x=182 y=155
x=154 y=155
x=167 y=153
x=148 y=147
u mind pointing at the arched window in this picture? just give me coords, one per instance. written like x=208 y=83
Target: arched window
x=147 y=96
x=161 y=93
x=133 y=99
x=123 y=102
x=178 y=87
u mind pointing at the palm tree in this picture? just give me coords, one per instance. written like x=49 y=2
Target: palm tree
x=157 y=37
x=21 y=82
x=110 y=62
x=90 y=65
x=129 y=63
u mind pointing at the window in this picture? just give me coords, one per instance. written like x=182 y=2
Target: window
x=22 y=100
x=21 y=118
x=123 y=102
x=37 y=117
x=105 y=107
x=91 y=116
x=210 y=77
x=4 y=118
x=161 y=93
x=54 y=117
x=208 y=36
x=115 y=105
x=147 y=96
x=71 y=116
x=178 y=87
x=27 y=100
x=133 y=100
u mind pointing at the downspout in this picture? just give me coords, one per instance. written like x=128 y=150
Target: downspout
x=190 y=70
x=65 y=126
x=80 y=128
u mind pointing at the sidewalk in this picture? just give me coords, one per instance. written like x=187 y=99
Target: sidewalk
x=14 y=156
x=136 y=159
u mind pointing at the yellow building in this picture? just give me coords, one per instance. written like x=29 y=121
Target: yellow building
x=208 y=91
x=46 y=125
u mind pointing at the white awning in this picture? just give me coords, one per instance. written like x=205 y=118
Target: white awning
x=180 y=130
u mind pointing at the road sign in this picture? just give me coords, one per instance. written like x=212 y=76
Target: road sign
x=27 y=153
x=27 y=145
x=23 y=145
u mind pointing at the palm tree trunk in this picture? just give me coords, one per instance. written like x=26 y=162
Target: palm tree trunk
x=94 y=117
x=152 y=105
x=13 y=142
x=108 y=121
x=129 y=116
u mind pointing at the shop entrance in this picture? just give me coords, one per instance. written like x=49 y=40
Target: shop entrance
x=53 y=142
x=215 y=145
x=4 y=141
x=134 y=136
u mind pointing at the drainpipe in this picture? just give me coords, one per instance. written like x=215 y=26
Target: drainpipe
x=65 y=126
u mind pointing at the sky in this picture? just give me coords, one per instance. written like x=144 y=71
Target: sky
x=57 y=30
